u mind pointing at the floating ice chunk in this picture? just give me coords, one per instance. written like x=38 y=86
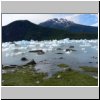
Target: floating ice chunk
x=25 y=46
x=18 y=53
x=94 y=47
x=85 y=45
x=68 y=52
x=83 y=48
x=5 y=49
x=7 y=54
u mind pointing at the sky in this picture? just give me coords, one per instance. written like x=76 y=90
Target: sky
x=84 y=19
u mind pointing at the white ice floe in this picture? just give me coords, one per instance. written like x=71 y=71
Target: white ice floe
x=68 y=52
x=83 y=49
x=19 y=47
x=7 y=54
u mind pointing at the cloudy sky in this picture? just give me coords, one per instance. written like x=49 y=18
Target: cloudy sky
x=85 y=19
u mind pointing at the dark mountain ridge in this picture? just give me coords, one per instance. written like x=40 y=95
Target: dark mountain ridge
x=26 y=30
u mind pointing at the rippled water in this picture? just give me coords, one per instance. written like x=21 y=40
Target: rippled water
x=83 y=55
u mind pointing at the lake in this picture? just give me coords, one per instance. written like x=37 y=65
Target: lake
x=74 y=53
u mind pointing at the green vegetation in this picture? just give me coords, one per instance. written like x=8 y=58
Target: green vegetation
x=89 y=69
x=27 y=76
x=63 y=65
x=22 y=77
x=70 y=78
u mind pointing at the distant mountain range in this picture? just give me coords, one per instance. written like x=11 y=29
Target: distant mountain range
x=48 y=30
x=68 y=25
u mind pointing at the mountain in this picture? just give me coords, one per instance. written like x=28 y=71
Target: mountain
x=69 y=25
x=26 y=30
x=57 y=23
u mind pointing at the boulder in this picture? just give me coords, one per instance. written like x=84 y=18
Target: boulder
x=31 y=62
x=90 y=62
x=59 y=49
x=24 y=59
x=59 y=53
x=40 y=52
x=61 y=58
x=68 y=49
x=13 y=65
x=94 y=57
x=71 y=47
x=69 y=69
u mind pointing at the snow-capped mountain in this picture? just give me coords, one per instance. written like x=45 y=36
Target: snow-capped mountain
x=61 y=21
x=68 y=25
x=57 y=23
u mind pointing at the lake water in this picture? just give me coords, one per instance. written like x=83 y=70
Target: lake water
x=85 y=53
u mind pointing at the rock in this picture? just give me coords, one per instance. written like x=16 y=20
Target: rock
x=59 y=53
x=40 y=52
x=90 y=62
x=64 y=69
x=46 y=63
x=24 y=59
x=71 y=47
x=3 y=81
x=13 y=65
x=40 y=61
x=94 y=57
x=59 y=76
x=69 y=69
x=73 y=50
x=61 y=58
x=11 y=71
x=7 y=67
x=96 y=77
x=37 y=82
x=4 y=71
x=68 y=49
x=59 y=49
x=31 y=63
